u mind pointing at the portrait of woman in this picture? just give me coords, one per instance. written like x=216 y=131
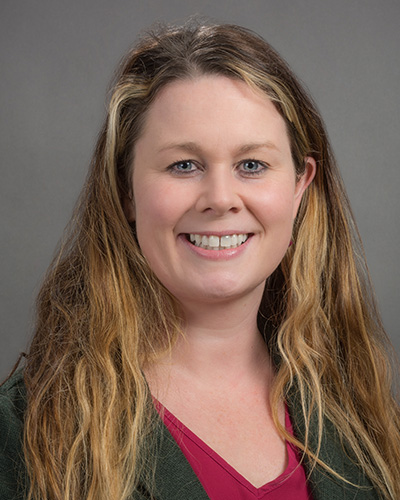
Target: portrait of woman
x=207 y=328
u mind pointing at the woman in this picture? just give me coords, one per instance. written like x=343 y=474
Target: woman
x=207 y=329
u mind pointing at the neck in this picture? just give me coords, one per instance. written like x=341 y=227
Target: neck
x=221 y=343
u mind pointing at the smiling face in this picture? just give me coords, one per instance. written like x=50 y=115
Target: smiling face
x=214 y=188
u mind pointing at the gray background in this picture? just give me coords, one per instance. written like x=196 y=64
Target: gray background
x=58 y=57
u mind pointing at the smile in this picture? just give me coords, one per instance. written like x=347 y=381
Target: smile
x=214 y=242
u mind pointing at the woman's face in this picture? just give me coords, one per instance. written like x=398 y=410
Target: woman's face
x=214 y=189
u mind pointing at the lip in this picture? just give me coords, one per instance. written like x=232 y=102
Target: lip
x=225 y=254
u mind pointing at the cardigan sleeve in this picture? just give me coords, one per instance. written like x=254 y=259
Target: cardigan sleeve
x=13 y=477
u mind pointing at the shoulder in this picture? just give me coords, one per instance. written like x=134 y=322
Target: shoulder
x=13 y=395
x=12 y=409
x=352 y=482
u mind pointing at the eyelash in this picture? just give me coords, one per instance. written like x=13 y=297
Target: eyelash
x=173 y=167
x=264 y=166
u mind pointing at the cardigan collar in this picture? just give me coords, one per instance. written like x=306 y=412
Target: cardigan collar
x=175 y=479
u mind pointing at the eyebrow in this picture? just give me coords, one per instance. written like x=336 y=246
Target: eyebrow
x=258 y=145
x=192 y=147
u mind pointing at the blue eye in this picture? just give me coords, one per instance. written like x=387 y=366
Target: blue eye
x=252 y=167
x=182 y=167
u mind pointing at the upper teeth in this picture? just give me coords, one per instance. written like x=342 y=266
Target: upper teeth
x=214 y=242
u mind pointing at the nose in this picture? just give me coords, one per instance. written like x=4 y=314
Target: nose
x=219 y=192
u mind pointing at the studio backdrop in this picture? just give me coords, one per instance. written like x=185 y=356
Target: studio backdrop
x=58 y=58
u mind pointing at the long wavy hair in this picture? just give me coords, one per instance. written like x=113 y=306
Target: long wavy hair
x=102 y=314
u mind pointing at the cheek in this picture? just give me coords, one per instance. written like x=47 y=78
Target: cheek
x=150 y=222
x=277 y=207
x=158 y=210
x=152 y=202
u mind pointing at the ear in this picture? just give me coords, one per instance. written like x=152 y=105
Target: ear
x=304 y=181
x=128 y=205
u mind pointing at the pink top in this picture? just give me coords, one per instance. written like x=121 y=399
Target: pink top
x=220 y=480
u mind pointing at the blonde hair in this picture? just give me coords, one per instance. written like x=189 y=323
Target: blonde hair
x=102 y=313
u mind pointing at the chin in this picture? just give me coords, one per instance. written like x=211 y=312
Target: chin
x=220 y=292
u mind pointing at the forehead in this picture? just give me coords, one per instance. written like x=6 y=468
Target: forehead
x=213 y=110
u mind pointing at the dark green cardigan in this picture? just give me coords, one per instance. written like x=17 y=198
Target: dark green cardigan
x=174 y=477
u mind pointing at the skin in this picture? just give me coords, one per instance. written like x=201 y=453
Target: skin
x=214 y=158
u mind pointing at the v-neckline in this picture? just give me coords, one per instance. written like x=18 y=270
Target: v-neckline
x=291 y=462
